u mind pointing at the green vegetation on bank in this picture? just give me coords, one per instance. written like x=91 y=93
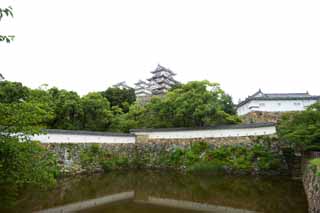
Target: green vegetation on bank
x=255 y=158
x=301 y=129
x=22 y=161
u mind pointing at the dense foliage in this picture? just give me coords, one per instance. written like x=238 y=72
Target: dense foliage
x=301 y=129
x=256 y=158
x=121 y=98
x=22 y=161
x=195 y=104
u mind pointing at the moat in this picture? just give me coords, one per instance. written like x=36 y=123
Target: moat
x=144 y=191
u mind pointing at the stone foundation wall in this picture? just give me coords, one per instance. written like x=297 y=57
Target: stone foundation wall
x=147 y=153
x=311 y=182
x=257 y=117
x=217 y=142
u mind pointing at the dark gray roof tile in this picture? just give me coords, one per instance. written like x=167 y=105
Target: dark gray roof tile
x=81 y=132
x=232 y=126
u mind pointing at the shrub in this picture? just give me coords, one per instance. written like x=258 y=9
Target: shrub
x=122 y=162
x=22 y=164
x=199 y=147
x=207 y=167
x=26 y=163
x=176 y=157
x=107 y=165
x=92 y=156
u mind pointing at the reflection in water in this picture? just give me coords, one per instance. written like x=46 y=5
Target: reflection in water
x=166 y=192
x=90 y=203
x=151 y=201
x=193 y=205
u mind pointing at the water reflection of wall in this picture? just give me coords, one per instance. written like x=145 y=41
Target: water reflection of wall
x=179 y=204
x=272 y=194
x=90 y=203
x=189 y=205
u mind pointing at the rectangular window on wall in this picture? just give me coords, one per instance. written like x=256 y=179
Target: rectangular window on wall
x=262 y=104
x=297 y=104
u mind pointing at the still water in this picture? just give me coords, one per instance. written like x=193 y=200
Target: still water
x=142 y=192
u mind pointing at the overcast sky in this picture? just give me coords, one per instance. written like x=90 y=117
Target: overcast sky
x=88 y=45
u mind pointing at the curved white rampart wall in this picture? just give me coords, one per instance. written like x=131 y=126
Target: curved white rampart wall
x=209 y=133
x=81 y=138
x=92 y=137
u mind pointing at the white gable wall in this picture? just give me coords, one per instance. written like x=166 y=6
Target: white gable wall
x=210 y=133
x=170 y=134
x=274 y=106
x=81 y=138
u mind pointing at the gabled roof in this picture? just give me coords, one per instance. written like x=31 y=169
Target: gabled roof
x=287 y=95
x=140 y=82
x=278 y=96
x=82 y=132
x=121 y=84
x=162 y=68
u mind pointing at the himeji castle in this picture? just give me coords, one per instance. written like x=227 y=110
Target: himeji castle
x=142 y=89
x=162 y=80
x=159 y=83
x=276 y=102
x=121 y=85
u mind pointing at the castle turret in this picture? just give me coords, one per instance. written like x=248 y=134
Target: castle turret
x=142 y=88
x=121 y=85
x=162 y=80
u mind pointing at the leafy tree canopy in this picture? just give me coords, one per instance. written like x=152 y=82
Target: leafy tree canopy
x=301 y=129
x=22 y=161
x=67 y=109
x=13 y=92
x=122 y=98
x=97 y=113
x=195 y=104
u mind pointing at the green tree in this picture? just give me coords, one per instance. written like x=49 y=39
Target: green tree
x=227 y=104
x=122 y=98
x=195 y=104
x=13 y=92
x=97 y=114
x=301 y=129
x=135 y=118
x=67 y=109
x=23 y=161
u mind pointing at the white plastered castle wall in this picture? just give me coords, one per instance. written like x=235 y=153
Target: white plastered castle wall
x=209 y=133
x=274 y=106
